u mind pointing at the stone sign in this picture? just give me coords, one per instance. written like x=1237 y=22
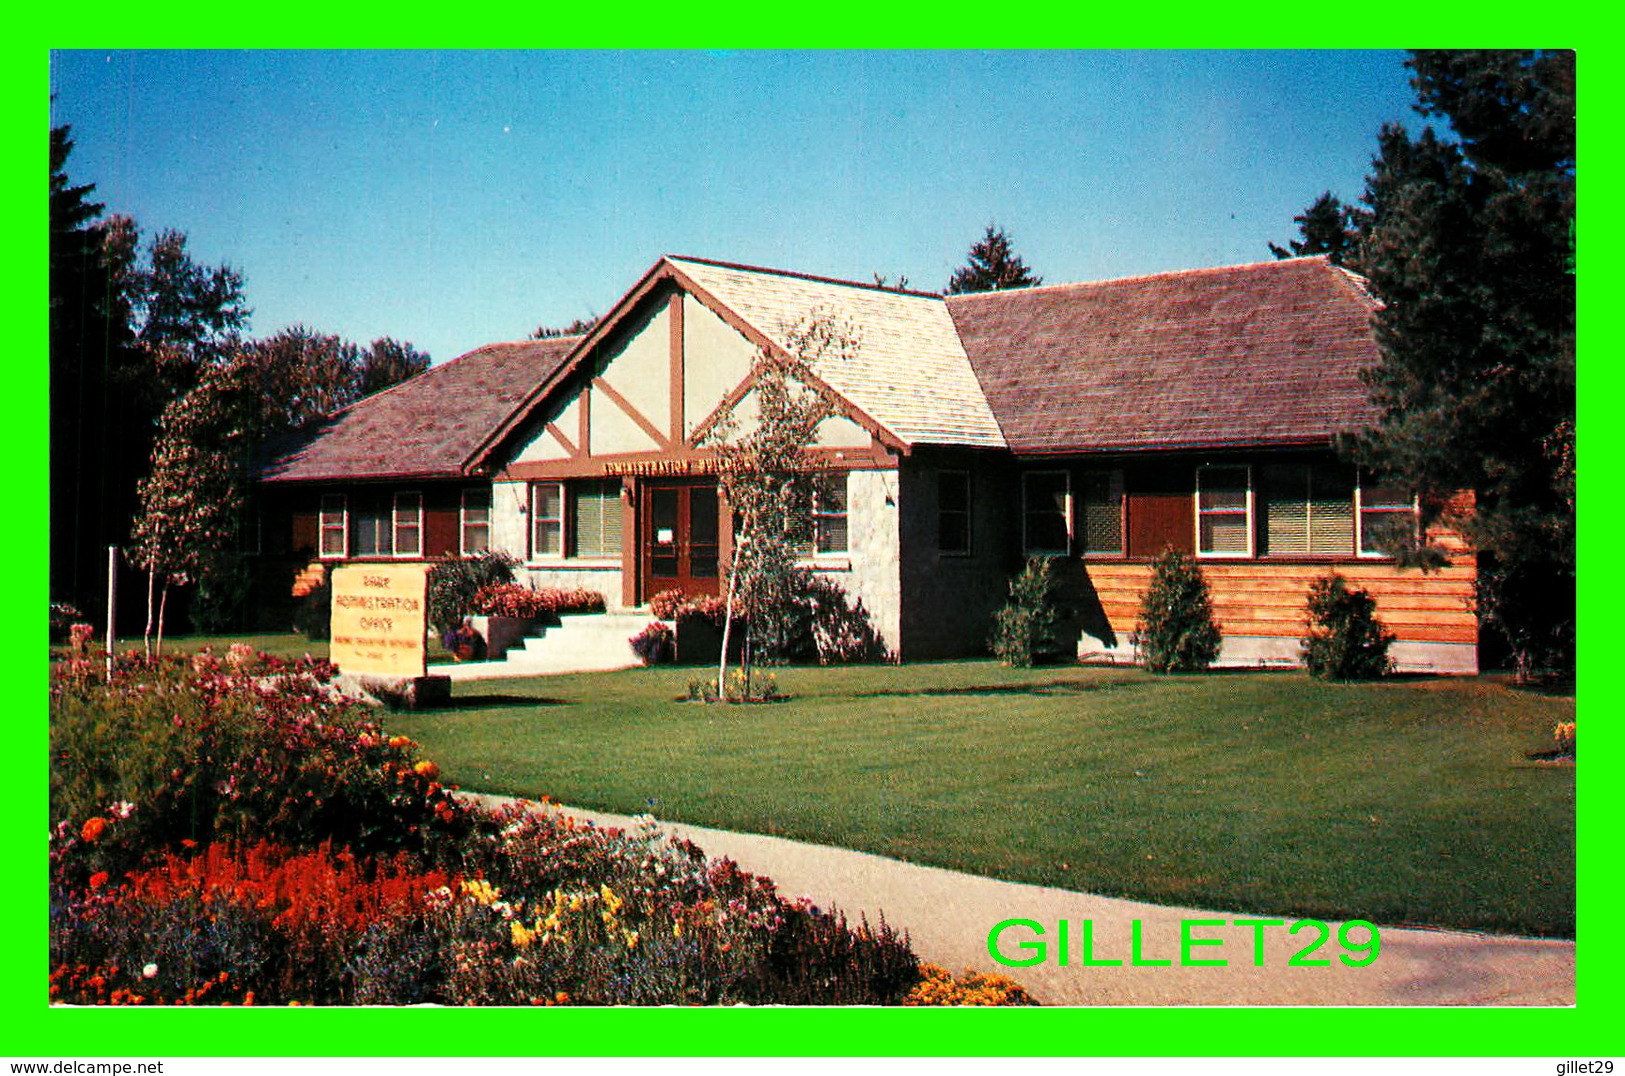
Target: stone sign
x=379 y=615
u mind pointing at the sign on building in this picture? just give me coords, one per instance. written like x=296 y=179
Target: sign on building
x=379 y=615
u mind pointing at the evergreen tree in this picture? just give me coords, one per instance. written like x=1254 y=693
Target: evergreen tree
x=1327 y=227
x=992 y=265
x=1468 y=243
x=101 y=424
x=1177 y=631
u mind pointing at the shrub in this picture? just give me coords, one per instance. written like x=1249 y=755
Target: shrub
x=454 y=582
x=511 y=599
x=1345 y=640
x=313 y=616
x=1024 y=630
x=831 y=628
x=677 y=605
x=1176 y=631
x=1563 y=736
x=655 y=644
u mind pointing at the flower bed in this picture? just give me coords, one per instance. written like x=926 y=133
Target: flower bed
x=226 y=832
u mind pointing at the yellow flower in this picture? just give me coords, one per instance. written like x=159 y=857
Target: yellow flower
x=521 y=937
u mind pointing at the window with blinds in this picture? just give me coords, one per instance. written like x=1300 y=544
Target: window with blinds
x=1310 y=511
x=1224 y=512
x=595 y=518
x=1100 y=528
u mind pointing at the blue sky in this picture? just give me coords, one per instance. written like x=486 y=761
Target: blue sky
x=452 y=199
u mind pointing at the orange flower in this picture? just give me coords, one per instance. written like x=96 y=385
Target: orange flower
x=98 y=879
x=93 y=828
x=427 y=769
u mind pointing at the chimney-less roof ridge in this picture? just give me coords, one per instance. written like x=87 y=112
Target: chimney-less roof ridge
x=792 y=274
x=1171 y=274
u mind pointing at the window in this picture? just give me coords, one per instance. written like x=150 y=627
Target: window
x=1224 y=512
x=953 y=511
x=595 y=518
x=1101 y=533
x=1046 y=513
x=1387 y=514
x=474 y=521
x=547 y=519
x=409 y=524
x=333 y=526
x=1309 y=510
x=829 y=513
x=371 y=531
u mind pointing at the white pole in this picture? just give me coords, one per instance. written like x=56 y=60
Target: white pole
x=112 y=602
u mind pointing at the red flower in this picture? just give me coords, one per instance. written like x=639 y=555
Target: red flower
x=98 y=879
x=93 y=828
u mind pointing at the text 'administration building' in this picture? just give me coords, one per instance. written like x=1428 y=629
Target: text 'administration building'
x=1096 y=423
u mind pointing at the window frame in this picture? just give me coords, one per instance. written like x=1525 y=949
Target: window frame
x=323 y=526
x=820 y=513
x=969 y=512
x=536 y=520
x=1415 y=510
x=1067 y=514
x=463 y=523
x=1117 y=489
x=395 y=525
x=1249 y=513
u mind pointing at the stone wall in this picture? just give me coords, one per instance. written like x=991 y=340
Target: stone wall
x=869 y=569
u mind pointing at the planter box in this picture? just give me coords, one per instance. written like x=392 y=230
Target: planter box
x=501 y=633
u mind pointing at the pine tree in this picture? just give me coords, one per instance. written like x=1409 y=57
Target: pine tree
x=1328 y=227
x=992 y=265
x=1469 y=245
x=100 y=424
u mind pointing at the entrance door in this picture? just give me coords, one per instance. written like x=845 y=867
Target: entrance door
x=679 y=538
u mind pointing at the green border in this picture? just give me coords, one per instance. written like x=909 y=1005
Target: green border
x=36 y=1030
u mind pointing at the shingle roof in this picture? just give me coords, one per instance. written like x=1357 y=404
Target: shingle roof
x=427 y=427
x=1265 y=354
x=910 y=373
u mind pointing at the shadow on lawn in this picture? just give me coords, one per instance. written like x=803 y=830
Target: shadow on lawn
x=1047 y=687
x=490 y=702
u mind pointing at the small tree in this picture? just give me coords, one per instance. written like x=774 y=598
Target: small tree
x=192 y=500
x=1024 y=630
x=768 y=483
x=1345 y=640
x=1176 y=631
x=992 y=265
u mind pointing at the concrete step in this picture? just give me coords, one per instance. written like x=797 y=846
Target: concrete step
x=586 y=642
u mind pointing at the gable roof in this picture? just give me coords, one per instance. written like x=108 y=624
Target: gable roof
x=429 y=426
x=1249 y=355
x=909 y=372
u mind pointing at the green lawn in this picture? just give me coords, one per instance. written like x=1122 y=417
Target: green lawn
x=1402 y=802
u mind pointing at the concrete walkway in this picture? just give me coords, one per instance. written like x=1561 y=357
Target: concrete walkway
x=948 y=916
